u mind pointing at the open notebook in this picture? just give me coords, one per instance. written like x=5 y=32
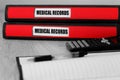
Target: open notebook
x=101 y=67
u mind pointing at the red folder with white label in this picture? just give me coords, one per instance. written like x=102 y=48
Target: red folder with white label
x=62 y=13
x=57 y=31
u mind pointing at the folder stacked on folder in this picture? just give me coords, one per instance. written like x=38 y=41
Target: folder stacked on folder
x=29 y=21
x=61 y=31
x=62 y=13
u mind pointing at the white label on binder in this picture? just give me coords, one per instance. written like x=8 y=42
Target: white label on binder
x=52 y=12
x=50 y=31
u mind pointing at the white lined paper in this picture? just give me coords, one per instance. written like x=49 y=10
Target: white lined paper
x=87 y=68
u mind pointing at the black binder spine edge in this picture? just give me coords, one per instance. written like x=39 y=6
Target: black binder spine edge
x=3 y=30
x=118 y=29
x=119 y=15
x=6 y=13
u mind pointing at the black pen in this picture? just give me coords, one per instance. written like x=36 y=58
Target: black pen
x=43 y=58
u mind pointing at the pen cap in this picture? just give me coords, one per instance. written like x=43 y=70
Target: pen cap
x=43 y=58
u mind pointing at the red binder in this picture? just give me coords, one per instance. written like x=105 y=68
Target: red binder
x=57 y=31
x=62 y=13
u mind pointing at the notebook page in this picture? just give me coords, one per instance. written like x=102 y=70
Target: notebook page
x=101 y=67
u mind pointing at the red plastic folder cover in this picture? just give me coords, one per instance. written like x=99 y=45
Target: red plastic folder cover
x=44 y=12
x=46 y=31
